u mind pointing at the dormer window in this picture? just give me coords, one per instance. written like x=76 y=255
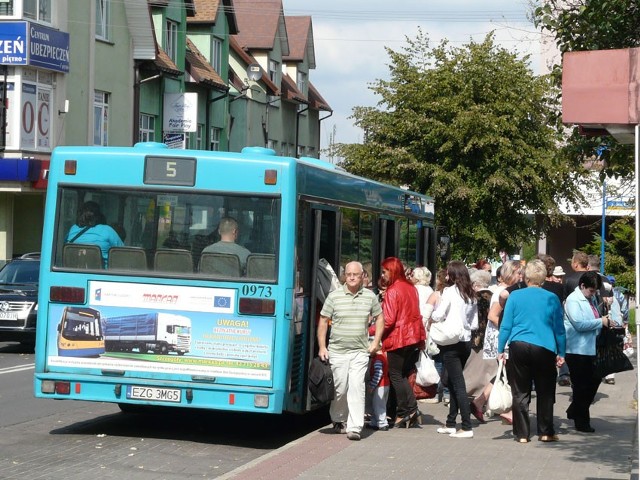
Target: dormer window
x=171 y=40
x=301 y=82
x=273 y=72
x=216 y=54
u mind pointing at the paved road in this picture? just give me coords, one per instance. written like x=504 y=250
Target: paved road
x=46 y=439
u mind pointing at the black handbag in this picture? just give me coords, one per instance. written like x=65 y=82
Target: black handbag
x=321 y=381
x=610 y=357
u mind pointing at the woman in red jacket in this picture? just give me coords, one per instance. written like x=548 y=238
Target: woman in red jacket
x=403 y=337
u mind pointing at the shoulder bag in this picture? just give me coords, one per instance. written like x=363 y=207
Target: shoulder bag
x=610 y=357
x=321 y=381
x=446 y=332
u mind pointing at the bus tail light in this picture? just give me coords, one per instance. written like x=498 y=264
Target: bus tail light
x=257 y=306
x=66 y=294
x=54 y=386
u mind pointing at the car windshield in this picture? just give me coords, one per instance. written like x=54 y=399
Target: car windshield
x=20 y=272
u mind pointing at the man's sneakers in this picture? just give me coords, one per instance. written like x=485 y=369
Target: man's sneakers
x=564 y=381
x=339 y=427
x=353 y=436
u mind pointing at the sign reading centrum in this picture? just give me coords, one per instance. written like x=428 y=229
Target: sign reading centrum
x=25 y=43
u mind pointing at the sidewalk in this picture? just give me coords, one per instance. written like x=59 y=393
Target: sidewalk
x=611 y=452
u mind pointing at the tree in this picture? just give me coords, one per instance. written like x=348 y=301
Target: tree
x=578 y=25
x=619 y=255
x=472 y=127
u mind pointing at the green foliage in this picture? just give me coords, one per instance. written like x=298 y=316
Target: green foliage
x=474 y=128
x=578 y=25
x=590 y=24
x=619 y=258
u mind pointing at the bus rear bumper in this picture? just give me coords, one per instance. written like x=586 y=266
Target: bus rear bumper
x=159 y=393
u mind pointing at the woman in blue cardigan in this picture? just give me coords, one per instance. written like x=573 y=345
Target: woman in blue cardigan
x=532 y=327
x=583 y=323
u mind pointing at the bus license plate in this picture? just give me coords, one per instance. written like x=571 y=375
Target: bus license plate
x=153 y=393
x=8 y=315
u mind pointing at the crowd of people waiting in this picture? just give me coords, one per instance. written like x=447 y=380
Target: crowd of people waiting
x=535 y=319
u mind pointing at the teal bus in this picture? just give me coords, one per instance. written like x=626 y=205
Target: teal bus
x=248 y=319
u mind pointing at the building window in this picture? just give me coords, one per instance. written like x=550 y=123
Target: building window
x=101 y=118
x=39 y=10
x=6 y=9
x=147 y=128
x=301 y=82
x=273 y=71
x=171 y=42
x=216 y=133
x=196 y=139
x=103 y=14
x=216 y=54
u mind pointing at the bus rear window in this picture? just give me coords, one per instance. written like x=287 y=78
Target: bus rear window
x=175 y=234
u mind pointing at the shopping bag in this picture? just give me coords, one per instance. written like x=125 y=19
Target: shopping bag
x=500 y=398
x=610 y=357
x=426 y=373
x=321 y=383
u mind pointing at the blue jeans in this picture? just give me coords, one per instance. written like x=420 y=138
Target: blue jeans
x=443 y=391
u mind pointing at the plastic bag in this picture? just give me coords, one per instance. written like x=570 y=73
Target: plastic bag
x=500 y=398
x=426 y=373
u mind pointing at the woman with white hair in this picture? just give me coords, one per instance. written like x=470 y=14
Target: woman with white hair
x=421 y=278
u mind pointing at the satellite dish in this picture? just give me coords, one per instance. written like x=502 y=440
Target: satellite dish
x=254 y=72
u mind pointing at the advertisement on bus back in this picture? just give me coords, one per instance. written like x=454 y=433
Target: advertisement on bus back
x=161 y=329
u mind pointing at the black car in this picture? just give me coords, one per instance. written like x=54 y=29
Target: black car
x=19 y=299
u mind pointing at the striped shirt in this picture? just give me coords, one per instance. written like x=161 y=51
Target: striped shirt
x=349 y=314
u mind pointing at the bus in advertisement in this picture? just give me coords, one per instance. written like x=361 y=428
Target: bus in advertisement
x=195 y=272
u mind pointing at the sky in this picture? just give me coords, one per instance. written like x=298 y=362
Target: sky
x=350 y=37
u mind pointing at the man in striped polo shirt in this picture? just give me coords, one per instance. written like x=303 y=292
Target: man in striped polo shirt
x=349 y=309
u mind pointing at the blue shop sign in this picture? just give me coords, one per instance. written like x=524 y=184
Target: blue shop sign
x=13 y=43
x=25 y=43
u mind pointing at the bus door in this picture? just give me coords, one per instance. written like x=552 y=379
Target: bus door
x=324 y=223
x=388 y=238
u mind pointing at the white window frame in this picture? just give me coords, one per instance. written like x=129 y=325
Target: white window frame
x=171 y=40
x=216 y=54
x=101 y=118
x=103 y=19
x=147 y=128
x=216 y=135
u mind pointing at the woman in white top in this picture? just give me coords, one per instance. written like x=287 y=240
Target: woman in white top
x=458 y=304
x=421 y=278
x=510 y=273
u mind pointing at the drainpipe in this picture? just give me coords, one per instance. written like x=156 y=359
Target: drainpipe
x=136 y=100
x=298 y=127
x=3 y=108
x=207 y=124
x=320 y=129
